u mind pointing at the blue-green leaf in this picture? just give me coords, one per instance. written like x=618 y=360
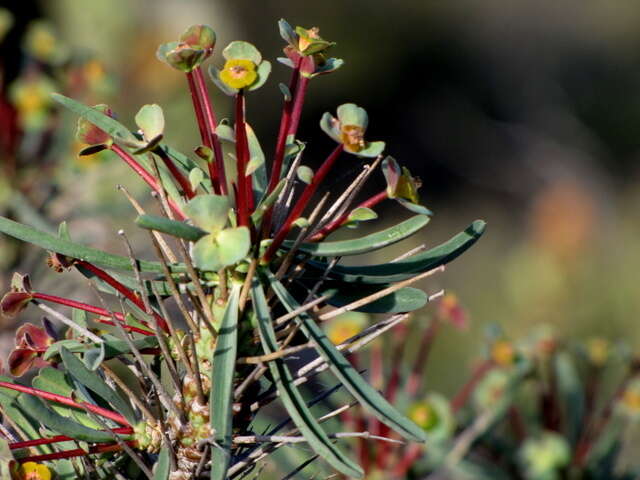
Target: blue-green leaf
x=101 y=120
x=221 y=397
x=368 y=243
x=406 y=299
x=350 y=378
x=93 y=382
x=75 y=250
x=162 y=466
x=291 y=396
x=63 y=425
x=171 y=227
x=392 y=272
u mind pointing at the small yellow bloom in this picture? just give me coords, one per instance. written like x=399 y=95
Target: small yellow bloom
x=598 y=350
x=40 y=41
x=423 y=415
x=94 y=72
x=308 y=37
x=34 y=471
x=346 y=326
x=352 y=137
x=238 y=73
x=503 y=353
x=631 y=399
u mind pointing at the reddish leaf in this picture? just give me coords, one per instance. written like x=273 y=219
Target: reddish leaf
x=21 y=360
x=14 y=302
x=37 y=337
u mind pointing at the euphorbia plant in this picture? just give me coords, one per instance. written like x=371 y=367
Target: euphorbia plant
x=135 y=388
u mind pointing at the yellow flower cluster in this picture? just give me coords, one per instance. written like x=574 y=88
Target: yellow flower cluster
x=239 y=73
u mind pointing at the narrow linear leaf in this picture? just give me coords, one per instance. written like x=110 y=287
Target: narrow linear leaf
x=113 y=346
x=397 y=271
x=221 y=399
x=368 y=243
x=406 y=299
x=291 y=396
x=104 y=122
x=352 y=380
x=63 y=425
x=93 y=382
x=161 y=469
x=13 y=410
x=171 y=227
x=75 y=250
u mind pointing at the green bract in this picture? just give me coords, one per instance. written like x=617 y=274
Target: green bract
x=221 y=246
x=244 y=69
x=349 y=129
x=195 y=45
x=402 y=187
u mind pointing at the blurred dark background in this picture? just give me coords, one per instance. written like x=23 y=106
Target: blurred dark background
x=523 y=113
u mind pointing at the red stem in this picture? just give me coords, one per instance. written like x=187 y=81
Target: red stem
x=385 y=448
x=58 y=438
x=285 y=121
x=463 y=395
x=197 y=107
x=411 y=455
x=89 y=308
x=302 y=203
x=283 y=134
x=593 y=432
x=298 y=102
x=205 y=132
x=177 y=174
x=211 y=123
x=242 y=158
x=421 y=359
x=78 y=452
x=128 y=293
x=116 y=417
x=146 y=176
x=338 y=222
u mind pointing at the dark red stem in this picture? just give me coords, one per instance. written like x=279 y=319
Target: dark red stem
x=184 y=183
x=302 y=203
x=78 y=452
x=218 y=174
x=242 y=159
x=338 y=222
x=420 y=362
x=126 y=292
x=285 y=121
x=58 y=439
x=89 y=308
x=298 y=103
x=286 y=128
x=146 y=176
x=592 y=432
x=116 y=417
x=197 y=108
x=467 y=389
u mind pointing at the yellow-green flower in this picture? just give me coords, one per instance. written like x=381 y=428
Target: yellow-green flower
x=423 y=415
x=352 y=137
x=630 y=400
x=598 y=350
x=34 y=471
x=32 y=98
x=346 y=326
x=238 y=73
x=503 y=353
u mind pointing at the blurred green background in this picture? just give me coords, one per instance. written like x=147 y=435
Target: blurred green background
x=523 y=113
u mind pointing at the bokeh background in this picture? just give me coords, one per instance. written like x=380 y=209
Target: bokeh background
x=522 y=113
